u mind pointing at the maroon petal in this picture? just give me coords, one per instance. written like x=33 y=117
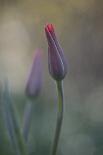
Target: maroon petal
x=56 y=60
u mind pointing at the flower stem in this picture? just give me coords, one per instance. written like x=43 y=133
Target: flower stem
x=27 y=119
x=59 y=116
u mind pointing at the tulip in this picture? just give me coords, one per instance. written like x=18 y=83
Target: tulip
x=56 y=59
x=34 y=82
x=33 y=88
x=58 y=70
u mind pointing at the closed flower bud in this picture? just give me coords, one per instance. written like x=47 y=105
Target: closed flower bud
x=56 y=60
x=34 y=81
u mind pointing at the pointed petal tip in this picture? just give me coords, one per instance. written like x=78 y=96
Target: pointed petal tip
x=38 y=54
x=49 y=27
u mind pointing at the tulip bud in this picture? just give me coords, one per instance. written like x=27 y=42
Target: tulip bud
x=34 y=81
x=56 y=60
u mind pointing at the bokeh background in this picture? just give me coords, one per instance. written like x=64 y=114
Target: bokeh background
x=79 y=26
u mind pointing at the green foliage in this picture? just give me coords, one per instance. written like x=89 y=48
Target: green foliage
x=12 y=125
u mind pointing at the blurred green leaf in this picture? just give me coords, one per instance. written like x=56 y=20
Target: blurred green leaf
x=12 y=124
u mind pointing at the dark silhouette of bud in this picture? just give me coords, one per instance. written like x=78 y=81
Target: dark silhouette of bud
x=34 y=81
x=56 y=59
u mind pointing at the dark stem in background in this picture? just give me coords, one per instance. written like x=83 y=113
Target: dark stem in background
x=59 y=116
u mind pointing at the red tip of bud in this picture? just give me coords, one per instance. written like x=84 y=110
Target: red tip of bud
x=49 y=27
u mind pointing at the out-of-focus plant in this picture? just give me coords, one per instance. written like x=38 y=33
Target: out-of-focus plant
x=58 y=69
x=11 y=122
x=33 y=88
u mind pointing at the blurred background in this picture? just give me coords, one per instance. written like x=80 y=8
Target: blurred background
x=79 y=26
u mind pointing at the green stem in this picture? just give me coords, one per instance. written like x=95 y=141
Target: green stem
x=59 y=117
